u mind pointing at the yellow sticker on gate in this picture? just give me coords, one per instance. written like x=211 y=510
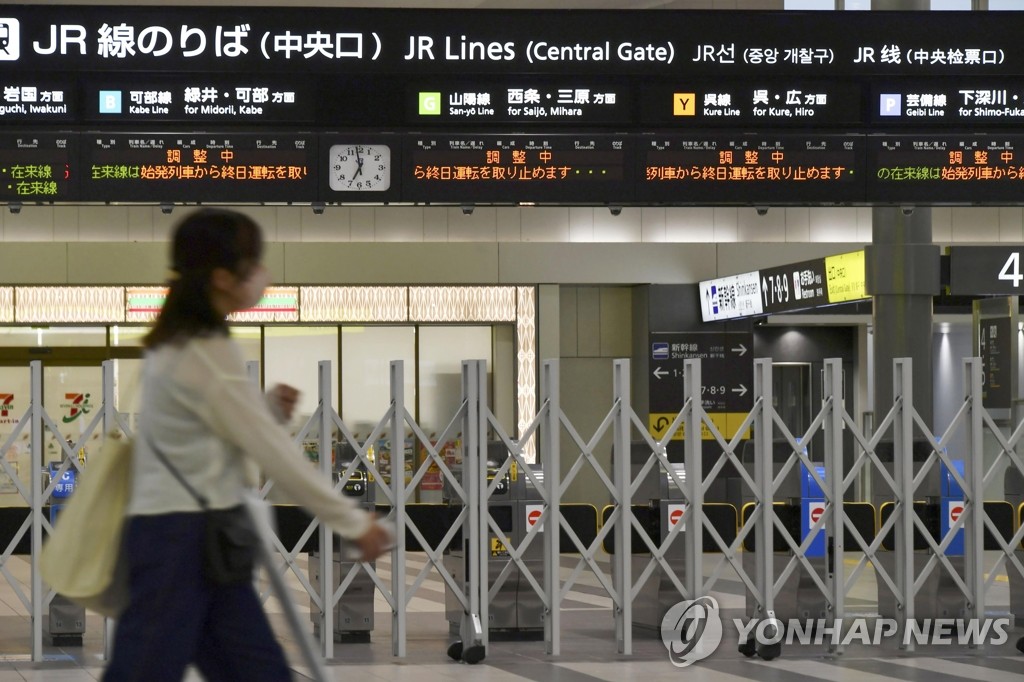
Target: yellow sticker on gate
x=498 y=547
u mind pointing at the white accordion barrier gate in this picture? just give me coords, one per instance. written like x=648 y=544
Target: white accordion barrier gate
x=763 y=571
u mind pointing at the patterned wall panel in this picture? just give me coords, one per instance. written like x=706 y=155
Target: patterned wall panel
x=462 y=304
x=354 y=304
x=69 y=304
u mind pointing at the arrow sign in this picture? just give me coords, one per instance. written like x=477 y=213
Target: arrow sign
x=742 y=390
x=659 y=372
x=741 y=349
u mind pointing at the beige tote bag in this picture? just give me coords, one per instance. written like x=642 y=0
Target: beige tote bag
x=82 y=558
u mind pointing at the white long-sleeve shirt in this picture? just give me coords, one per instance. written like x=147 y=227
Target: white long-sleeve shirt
x=213 y=424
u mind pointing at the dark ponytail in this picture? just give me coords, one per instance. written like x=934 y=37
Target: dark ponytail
x=203 y=241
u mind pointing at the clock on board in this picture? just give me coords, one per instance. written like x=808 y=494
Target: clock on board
x=356 y=167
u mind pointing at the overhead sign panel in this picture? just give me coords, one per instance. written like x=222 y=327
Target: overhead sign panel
x=38 y=167
x=37 y=100
x=520 y=101
x=731 y=297
x=258 y=99
x=845 y=277
x=939 y=168
x=775 y=102
x=948 y=103
x=684 y=43
x=745 y=169
x=794 y=287
x=986 y=270
x=797 y=286
x=198 y=167
x=517 y=168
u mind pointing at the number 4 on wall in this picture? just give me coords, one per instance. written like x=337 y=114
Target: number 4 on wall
x=1011 y=269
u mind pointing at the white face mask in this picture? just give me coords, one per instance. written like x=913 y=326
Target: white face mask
x=251 y=290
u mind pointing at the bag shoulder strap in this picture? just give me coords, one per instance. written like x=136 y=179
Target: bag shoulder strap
x=177 y=474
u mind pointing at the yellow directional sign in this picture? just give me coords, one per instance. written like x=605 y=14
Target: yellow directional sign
x=726 y=423
x=844 y=274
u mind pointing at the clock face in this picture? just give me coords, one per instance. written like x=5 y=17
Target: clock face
x=360 y=167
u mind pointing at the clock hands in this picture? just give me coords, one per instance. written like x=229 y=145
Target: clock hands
x=360 y=167
x=359 y=164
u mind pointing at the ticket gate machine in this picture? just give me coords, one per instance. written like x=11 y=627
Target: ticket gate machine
x=64 y=622
x=939 y=596
x=1014 y=495
x=516 y=611
x=658 y=594
x=353 y=614
x=799 y=598
x=799 y=503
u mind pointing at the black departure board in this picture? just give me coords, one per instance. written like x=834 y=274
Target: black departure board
x=424 y=168
x=745 y=169
x=517 y=168
x=199 y=167
x=38 y=167
x=941 y=168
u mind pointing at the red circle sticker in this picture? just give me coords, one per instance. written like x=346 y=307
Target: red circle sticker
x=954 y=512
x=533 y=517
x=674 y=517
x=816 y=513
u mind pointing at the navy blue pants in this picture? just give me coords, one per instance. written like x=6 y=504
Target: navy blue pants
x=177 y=617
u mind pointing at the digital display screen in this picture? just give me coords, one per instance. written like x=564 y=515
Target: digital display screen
x=943 y=168
x=746 y=169
x=38 y=167
x=517 y=168
x=199 y=167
